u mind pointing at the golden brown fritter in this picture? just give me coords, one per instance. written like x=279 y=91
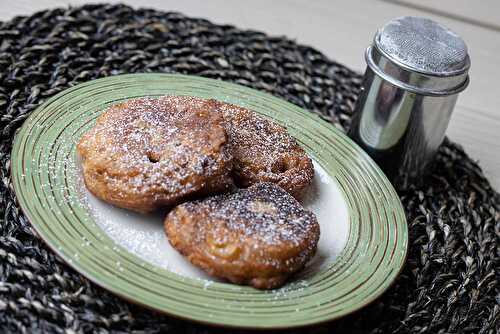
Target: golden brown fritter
x=146 y=153
x=257 y=236
x=263 y=151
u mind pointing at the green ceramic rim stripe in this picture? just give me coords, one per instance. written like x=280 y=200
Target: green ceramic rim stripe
x=43 y=159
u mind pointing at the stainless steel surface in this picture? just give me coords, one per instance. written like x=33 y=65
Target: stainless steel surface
x=409 y=92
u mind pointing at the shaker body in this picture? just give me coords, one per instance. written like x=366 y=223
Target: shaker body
x=399 y=129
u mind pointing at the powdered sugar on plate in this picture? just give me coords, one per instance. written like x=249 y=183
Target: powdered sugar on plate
x=143 y=235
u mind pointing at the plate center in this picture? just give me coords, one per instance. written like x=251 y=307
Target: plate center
x=143 y=235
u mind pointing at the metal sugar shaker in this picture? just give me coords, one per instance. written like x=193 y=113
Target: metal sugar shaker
x=416 y=68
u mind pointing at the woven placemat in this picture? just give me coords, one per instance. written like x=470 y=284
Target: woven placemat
x=449 y=283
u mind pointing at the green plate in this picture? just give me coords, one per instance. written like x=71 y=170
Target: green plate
x=359 y=268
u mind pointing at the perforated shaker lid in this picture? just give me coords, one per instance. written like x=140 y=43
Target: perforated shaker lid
x=424 y=46
x=421 y=56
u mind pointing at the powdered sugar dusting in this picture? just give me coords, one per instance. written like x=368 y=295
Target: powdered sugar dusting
x=143 y=235
x=155 y=148
x=243 y=125
x=264 y=212
x=264 y=151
